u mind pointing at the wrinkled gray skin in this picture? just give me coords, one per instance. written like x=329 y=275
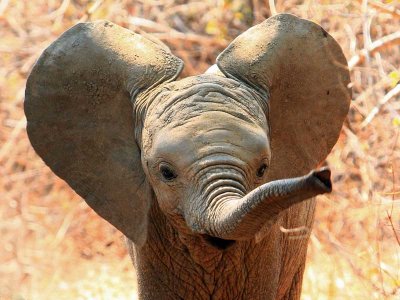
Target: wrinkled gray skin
x=206 y=177
x=213 y=134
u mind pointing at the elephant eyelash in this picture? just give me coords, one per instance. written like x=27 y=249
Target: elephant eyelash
x=167 y=173
x=261 y=170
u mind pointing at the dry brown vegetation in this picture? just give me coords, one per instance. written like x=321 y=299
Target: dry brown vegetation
x=54 y=247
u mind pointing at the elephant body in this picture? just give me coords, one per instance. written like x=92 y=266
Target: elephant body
x=178 y=264
x=203 y=175
x=172 y=265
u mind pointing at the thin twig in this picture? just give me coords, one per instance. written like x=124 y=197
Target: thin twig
x=366 y=28
x=149 y=24
x=386 y=9
x=380 y=44
x=191 y=37
x=60 y=10
x=90 y=10
x=366 y=94
x=349 y=256
x=7 y=146
x=391 y=94
x=272 y=7
x=389 y=215
x=164 y=32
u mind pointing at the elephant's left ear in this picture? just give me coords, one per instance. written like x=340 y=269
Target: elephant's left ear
x=303 y=73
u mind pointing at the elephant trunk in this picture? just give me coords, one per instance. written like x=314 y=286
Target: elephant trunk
x=240 y=218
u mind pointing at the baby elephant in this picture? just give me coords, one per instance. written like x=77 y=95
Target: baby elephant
x=203 y=175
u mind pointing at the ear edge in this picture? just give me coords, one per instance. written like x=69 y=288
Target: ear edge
x=269 y=66
x=51 y=120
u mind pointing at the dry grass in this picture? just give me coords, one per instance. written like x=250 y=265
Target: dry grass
x=54 y=247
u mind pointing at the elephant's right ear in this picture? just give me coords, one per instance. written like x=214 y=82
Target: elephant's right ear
x=78 y=105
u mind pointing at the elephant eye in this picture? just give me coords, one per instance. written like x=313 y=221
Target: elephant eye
x=261 y=170
x=167 y=173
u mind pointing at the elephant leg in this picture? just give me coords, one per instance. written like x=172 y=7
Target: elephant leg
x=294 y=291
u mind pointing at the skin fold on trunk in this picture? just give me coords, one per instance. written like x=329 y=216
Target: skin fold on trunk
x=241 y=218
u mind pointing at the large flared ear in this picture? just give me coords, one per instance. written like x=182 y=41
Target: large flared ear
x=303 y=73
x=78 y=104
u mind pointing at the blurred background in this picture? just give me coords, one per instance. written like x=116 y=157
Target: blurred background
x=52 y=246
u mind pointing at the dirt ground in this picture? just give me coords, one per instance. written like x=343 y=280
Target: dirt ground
x=52 y=246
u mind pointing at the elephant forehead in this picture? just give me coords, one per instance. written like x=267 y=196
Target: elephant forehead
x=181 y=101
x=211 y=133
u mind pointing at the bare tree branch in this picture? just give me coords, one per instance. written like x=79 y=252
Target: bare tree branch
x=391 y=94
x=386 y=9
x=380 y=44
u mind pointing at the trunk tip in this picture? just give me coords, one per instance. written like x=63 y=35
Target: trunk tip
x=324 y=176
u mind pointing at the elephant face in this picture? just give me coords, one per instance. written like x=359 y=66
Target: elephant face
x=205 y=146
x=218 y=149
x=200 y=147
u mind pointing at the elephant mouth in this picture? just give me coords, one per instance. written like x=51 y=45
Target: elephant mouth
x=218 y=243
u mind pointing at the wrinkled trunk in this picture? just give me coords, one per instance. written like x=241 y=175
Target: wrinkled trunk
x=240 y=218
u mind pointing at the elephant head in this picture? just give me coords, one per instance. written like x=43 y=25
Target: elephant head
x=220 y=153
